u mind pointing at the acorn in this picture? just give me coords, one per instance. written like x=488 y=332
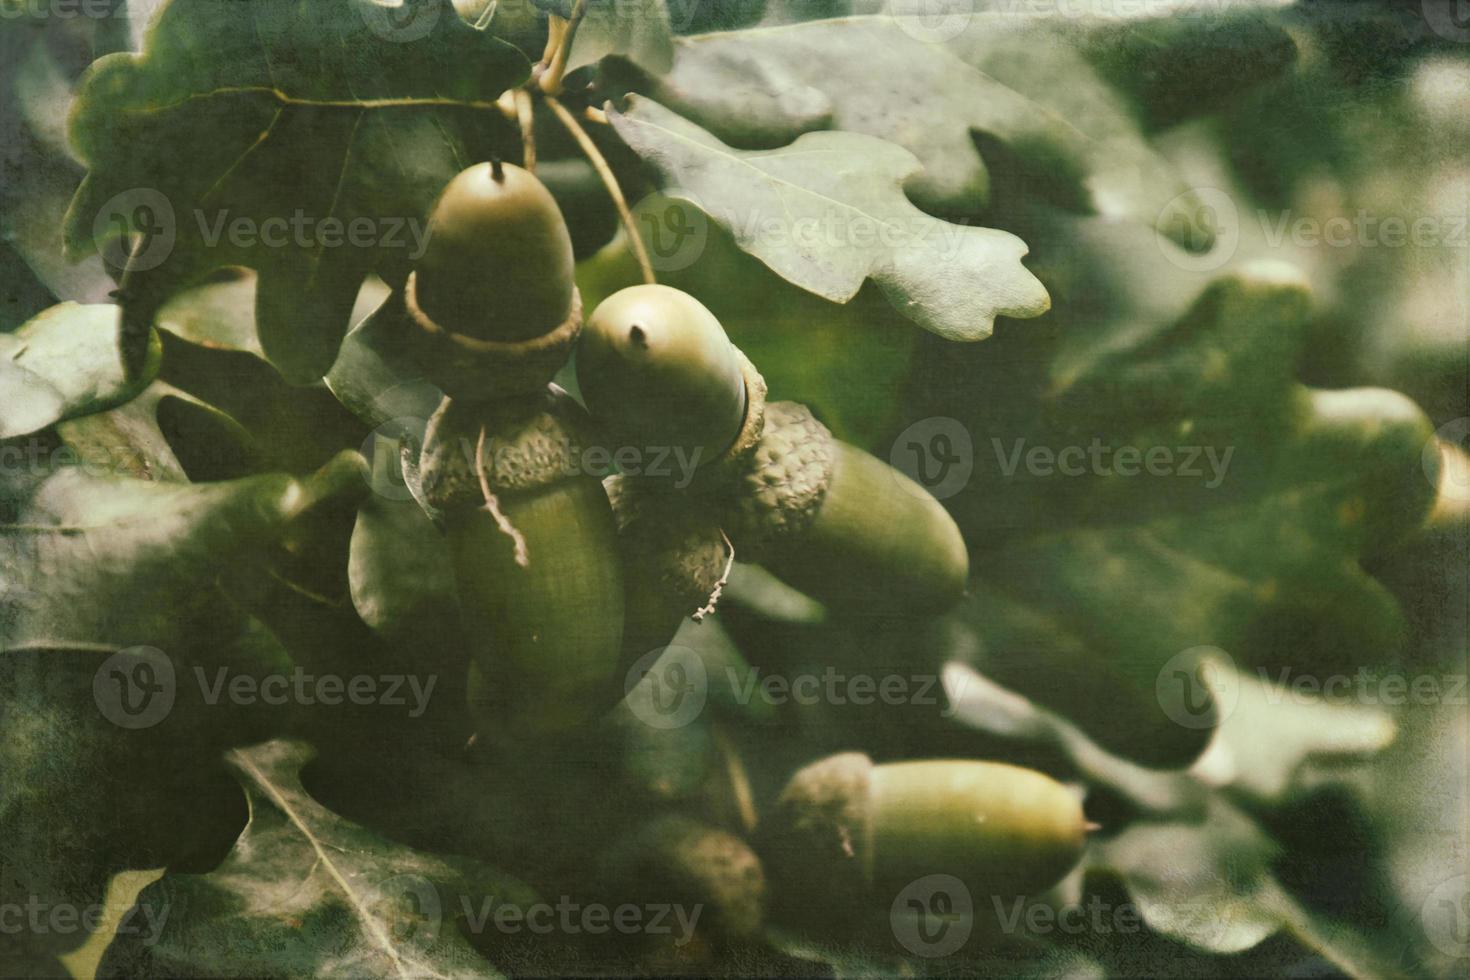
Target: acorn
x=709 y=874
x=535 y=555
x=658 y=372
x=845 y=826
x=843 y=526
x=498 y=264
x=656 y=369
x=492 y=305
x=675 y=558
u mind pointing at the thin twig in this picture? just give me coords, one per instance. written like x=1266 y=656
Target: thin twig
x=599 y=163
x=714 y=596
x=527 y=120
x=551 y=78
x=595 y=115
x=492 y=504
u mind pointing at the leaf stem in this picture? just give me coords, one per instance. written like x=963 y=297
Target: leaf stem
x=609 y=180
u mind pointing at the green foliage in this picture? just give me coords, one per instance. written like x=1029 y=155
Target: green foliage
x=254 y=111
x=218 y=468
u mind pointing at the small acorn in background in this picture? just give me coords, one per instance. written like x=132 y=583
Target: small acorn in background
x=850 y=834
x=711 y=879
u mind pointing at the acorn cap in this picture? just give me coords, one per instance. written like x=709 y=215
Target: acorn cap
x=784 y=478
x=670 y=541
x=529 y=444
x=470 y=369
x=498 y=264
x=817 y=838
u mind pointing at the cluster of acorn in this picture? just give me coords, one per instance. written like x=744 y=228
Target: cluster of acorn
x=568 y=577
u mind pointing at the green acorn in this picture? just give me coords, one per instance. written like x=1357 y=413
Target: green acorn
x=657 y=371
x=535 y=555
x=843 y=526
x=491 y=306
x=498 y=263
x=847 y=827
x=676 y=861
